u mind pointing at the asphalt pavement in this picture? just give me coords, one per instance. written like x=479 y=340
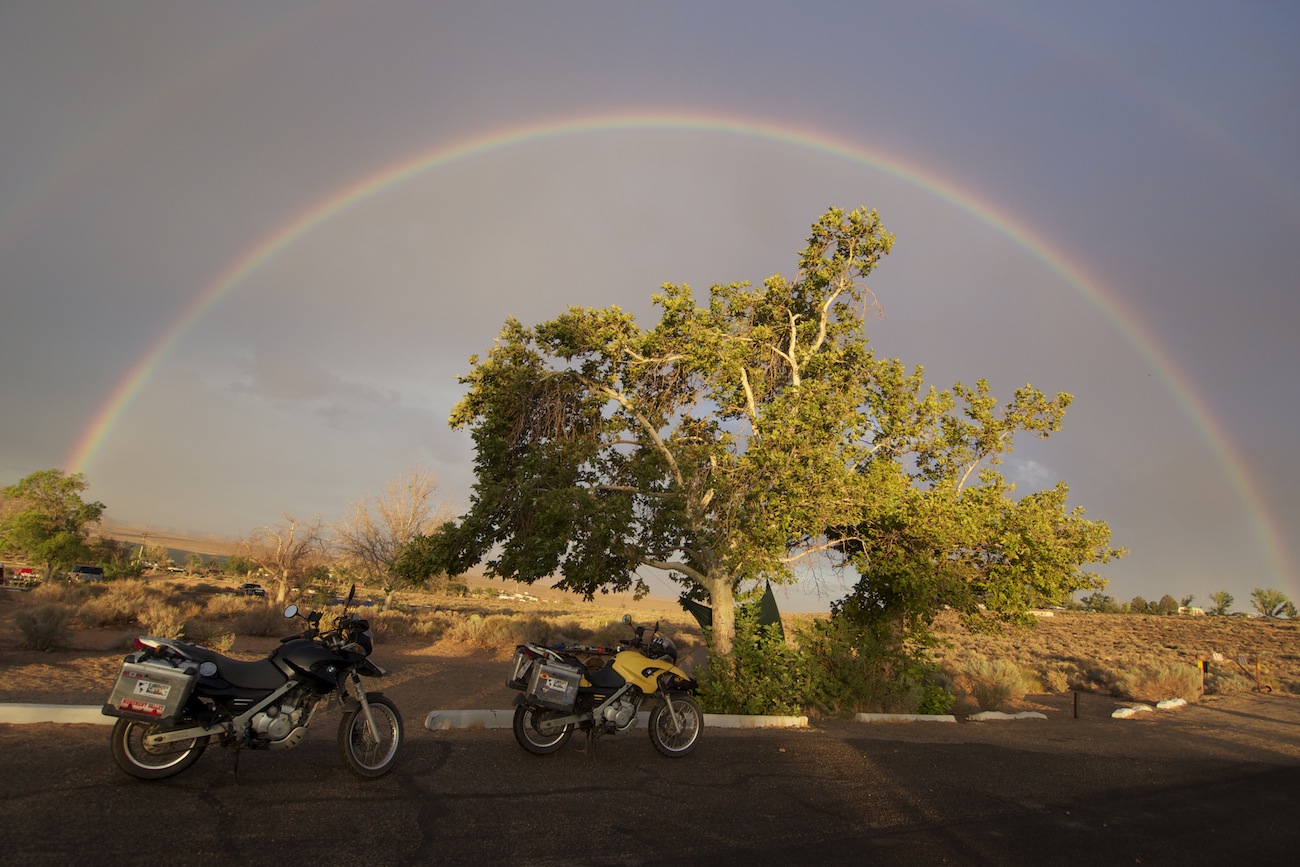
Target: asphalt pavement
x=1212 y=785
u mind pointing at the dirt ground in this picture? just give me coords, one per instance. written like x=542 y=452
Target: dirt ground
x=420 y=677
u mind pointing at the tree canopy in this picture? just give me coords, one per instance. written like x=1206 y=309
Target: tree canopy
x=44 y=519
x=735 y=438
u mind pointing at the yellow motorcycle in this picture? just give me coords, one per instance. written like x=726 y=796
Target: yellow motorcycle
x=560 y=693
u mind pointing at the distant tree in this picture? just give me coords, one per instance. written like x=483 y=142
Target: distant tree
x=1272 y=603
x=44 y=519
x=286 y=549
x=1138 y=605
x=373 y=535
x=1186 y=601
x=1100 y=603
x=194 y=562
x=1167 y=605
x=239 y=565
x=1221 y=601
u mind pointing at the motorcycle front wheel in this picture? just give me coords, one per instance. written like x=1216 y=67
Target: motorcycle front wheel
x=152 y=763
x=664 y=734
x=364 y=754
x=526 y=719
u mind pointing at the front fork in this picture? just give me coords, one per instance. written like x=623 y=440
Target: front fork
x=672 y=713
x=361 y=700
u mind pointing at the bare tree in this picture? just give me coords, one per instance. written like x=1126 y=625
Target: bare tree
x=285 y=550
x=376 y=530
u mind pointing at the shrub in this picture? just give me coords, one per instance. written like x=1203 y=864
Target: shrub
x=227 y=606
x=861 y=666
x=1159 y=681
x=163 y=620
x=44 y=627
x=211 y=635
x=499 y=631
x=995 y=683
x=108 y=610
x=762 y=675
x=935 y=699
x=1056 y=676
x=261 y=619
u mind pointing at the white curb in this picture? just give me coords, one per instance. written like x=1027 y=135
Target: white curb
x=905 y=717
x=987 y=715
x=444 y=720
x=23 y=714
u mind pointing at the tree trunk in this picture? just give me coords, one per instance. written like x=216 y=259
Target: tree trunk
x=724 y=614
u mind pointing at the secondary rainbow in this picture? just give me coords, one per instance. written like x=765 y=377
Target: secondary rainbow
x=1055 y=259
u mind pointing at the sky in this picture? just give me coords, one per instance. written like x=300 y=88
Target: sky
x=246 y=248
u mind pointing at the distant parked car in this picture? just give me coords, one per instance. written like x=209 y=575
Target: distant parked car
x=251 y=590
x=84 y=572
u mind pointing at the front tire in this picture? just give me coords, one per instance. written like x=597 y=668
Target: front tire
x=152 y=763
x=525 y=725
x=365 y=755
x=665 y=735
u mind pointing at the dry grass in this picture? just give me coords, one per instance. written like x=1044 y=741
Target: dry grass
x=1104 y=652
x=1120 y=655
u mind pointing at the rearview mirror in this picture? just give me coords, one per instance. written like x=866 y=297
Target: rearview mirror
x=291 y=611
x=627 y=619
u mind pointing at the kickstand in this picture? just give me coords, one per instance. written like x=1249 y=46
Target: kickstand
x=591 y=743
x=234 y=769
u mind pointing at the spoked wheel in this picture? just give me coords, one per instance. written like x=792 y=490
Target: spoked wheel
x=679 y=738
x=365 y=754
x=152 y=763
x=525 y=726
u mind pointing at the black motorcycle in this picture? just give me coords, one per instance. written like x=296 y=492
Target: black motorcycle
x=172 y=698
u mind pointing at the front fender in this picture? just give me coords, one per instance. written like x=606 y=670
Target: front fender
x=369 y=669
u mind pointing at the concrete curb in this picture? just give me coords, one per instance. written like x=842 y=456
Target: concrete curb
x=22 y=714
x=445 y=720
x=438 y=720
x=904 y=717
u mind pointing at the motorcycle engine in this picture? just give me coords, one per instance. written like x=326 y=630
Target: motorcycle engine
x=277 y=722
x=621 y=714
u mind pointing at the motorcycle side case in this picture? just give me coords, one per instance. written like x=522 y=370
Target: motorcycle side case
x=150 y=691
x=554 y=685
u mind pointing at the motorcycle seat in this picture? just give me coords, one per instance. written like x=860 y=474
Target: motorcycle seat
x=259 y=674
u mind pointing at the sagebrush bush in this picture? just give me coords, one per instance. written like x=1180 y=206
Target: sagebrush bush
x=210 y=634
x=995 y=683
x=108 y=611
x=1157 y=681
x=227 y=606
x=259 y=618
x=44 y=627
x=163 y=620
x=1056 y=676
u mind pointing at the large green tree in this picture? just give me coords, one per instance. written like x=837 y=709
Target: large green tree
x=44 y=519
x=735 y=438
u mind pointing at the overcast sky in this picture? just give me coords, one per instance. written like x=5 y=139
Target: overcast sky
x=247 y=247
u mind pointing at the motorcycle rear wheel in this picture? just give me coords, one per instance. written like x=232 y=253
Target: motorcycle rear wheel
x=363 y=754
x=525 y=726
x=664 y=734
x=152 y=763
